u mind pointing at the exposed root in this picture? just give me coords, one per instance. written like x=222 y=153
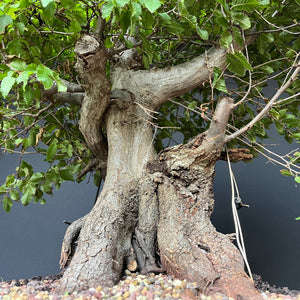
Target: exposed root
x=68 y=245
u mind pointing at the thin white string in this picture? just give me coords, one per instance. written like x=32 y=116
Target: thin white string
x=237 y=225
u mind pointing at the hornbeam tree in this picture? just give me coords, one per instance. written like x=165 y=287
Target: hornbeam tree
x=101 y=88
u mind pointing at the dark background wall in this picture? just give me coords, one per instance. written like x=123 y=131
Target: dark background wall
x=30 y=237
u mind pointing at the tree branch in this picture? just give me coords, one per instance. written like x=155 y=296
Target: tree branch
x=175 y=81
x=266 y=108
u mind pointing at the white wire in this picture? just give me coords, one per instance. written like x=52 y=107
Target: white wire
x=237 y=225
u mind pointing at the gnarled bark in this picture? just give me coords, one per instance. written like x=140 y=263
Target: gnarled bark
x=153 y=213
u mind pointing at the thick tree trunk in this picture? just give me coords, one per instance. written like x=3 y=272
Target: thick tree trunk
x=148 y=200
x=153 y=213
x=106 y=237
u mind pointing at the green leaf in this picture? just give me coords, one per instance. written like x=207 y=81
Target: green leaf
x=29 y=192
x=7 y=204
x=60 y=85
x=136 y=10
x=121 y=3
x=237 y=63
x=6 y=84
x=202 y=33
x=226 y=39
x=26 y=198
x=107 y=8
x=67 y=174
x=28 y=95
x=45 y=3
x=52 y=150
x=297 y=219
x=241 y=57
x=49 y=10
x=151 y=5
x=14 y=195
x=242 y=20
x=297 y=179
x=221 y=85
x=296 y=136
x=247 y=5
x=44 y=75
x=10 y=179
x=237 y=36
x=18 y=64
x=37 y=177
x=285 y=172
x=5 y=21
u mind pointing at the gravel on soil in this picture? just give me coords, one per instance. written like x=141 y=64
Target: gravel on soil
x=132 y=287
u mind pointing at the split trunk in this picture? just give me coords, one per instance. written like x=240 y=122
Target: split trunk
x=153 y=214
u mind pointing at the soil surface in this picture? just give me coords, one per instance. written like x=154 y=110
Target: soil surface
x=132 y=287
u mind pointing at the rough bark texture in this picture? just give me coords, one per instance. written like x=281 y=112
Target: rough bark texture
x=153 y=213
x=91 y=64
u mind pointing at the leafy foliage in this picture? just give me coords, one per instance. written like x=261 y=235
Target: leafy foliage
x=37 y=41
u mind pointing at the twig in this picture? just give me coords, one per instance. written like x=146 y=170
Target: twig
x=266 y=108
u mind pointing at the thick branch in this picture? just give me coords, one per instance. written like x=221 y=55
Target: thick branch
x=219 y=122
x=266 y=108
x=71 y=88
x=159 y=85
x=175 y=81
x=91 y=65
x=69 y=97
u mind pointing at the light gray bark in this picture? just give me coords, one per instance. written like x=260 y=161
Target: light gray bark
x=151 y=200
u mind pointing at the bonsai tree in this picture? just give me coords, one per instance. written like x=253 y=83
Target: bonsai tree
x=99 y=87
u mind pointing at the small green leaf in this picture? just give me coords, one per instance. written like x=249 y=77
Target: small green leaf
x=49 y=10
x=221 y=85
x=14 y=195
x=10 y=179
x=18 y=64
x=285 y=172
x=241 y=57
x=45 y=75
x=226 y=39
x=5 y=21
x=237 y=36
x=36 y=177
x=128 y=44
x=242 y=20
x=121 y=3
x=297 y=219
x=202 y=33
x=151 y=5
x=7 y=204
x=28 y=194
x=52 y=150
x=107 y=8
x=136 y=10
x=297 y=179
x=46 y=2
x=247 y=5
x=67 y=174
x=237 y=63
x=6 y=84
x=60 y=85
